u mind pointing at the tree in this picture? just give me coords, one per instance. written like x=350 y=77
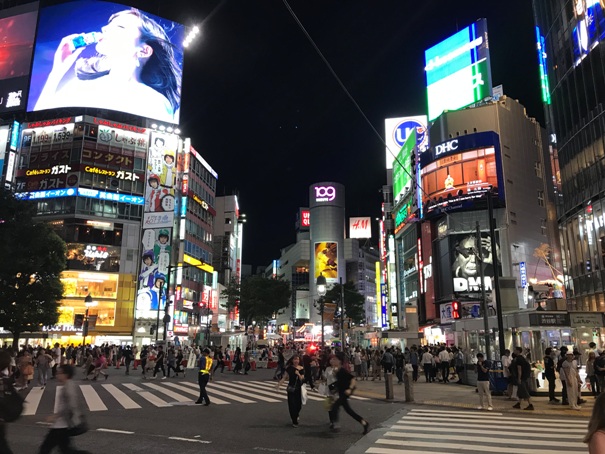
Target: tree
x=354 y=301
x=232 y=293
x=33 y=257
x=262 y=297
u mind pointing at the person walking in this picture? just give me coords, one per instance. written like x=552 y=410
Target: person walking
x=485 y=396
x=204 y=366
x=295 y=376
x=427 y=365
x=444 y=362
x=345 y=384
x=6 y=382
x=128 y=358
x=414 y=362
x=43 y=364
x=591 y=374
x=68 y=415
x=595 y=438
x=220 y=361
x=522 y=373
x=549 y=374
x=159 y=363
x=237 y=361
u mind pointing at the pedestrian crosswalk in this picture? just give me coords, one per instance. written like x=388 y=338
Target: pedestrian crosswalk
x=431 y=431
x=100 y=397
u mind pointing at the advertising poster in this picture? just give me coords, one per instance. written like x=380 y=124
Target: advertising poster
x=467 y=264
x=397 y=131
x=326 y=261
x=161 y=173
x=80 y=43
x=458 y=70
x=17 y=31
x=360 y=227
x=589 y=28
x=403 y=169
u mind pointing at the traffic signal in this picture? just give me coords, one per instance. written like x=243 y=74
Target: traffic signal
x=455 y=309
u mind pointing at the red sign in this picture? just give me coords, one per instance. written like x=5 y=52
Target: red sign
x=306 y=218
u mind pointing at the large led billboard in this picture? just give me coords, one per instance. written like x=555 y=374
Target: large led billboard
x=589 y=27
x=326 y=261
x=456 y=174
x=468 y=257
x=17 y=32
x=397 y=131
x=107 y=56
x=458 y=70
x=403 y=168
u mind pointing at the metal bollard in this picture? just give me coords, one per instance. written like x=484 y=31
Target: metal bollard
x=388 y=384
x=408 y=384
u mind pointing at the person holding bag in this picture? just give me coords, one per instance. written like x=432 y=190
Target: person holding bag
x=295 y=374
x=68 y=421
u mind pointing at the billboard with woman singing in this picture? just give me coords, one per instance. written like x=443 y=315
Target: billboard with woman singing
x=107 y=56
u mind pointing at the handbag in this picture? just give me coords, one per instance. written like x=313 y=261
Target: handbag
x=290 y=389
x=322 y=389
x=304 y=395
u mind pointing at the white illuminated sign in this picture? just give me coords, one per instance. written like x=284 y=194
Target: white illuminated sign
x=325 y=193
x=96 y=252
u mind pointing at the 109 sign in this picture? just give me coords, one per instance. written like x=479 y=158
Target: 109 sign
x=325 y=193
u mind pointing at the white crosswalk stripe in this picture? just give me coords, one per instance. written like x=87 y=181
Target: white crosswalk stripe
x=430 y=431
x=164 y=393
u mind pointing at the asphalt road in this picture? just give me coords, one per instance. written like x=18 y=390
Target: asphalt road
x=182 y=427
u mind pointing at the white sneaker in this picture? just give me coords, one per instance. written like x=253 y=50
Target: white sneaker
x=479 y=408
x=490 y=408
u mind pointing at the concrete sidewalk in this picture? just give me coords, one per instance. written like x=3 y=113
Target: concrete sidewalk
x=463 y=396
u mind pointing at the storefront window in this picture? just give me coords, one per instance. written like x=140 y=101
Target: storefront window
x=104 y=312
x=93 y=257
x=98 y=285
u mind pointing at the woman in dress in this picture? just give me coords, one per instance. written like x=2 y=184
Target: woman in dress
x=295 y=375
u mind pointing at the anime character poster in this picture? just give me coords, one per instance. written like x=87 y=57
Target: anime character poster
x=326 y=260
x=589 y=28
x=152 y=282
x=161 y=173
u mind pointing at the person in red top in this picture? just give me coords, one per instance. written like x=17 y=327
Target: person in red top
x=100 y=364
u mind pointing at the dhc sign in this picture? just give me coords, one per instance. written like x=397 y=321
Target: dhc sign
x=446 y=147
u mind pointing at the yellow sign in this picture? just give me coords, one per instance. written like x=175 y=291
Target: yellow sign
x=34 y=172
x=200 y=201
x=198 y=263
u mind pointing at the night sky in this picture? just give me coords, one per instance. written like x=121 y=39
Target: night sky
x=268 y=115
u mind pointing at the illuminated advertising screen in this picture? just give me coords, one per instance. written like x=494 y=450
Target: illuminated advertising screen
x=17 y=32
x=456 y=174
x=403 y=168
x=326 y=261
x=589 y=27
x=397 y=131
x=467 y=258
x=543 y=65
x=107 y=56
x=360 y=227
x=458 y=70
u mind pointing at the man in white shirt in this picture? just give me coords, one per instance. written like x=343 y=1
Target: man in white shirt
x=444 y=360
x=427 y=364
x=506 y=372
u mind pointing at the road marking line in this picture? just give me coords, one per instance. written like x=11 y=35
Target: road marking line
x=234 y=389
x=282 y=390
x=93 y=400
x=453 y=412
x=32 y=401
x=375 y=450
x=447 y=443
x=215 y=400
x=440 y=421
x=518 y=433
x=464 y=447
x=172 y=394
x=493 y=415
x=422 y=425
x=121 y=397
x=115 y=431
x=270 y=392
x=191 y=440
x=149 y=397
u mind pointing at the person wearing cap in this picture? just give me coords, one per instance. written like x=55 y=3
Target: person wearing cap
x=572 y=380
x=205 y=365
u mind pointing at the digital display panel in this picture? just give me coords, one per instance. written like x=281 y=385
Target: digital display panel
x=17 y=32
x=403 y=168
x=107 y=56
x=543 y=65
x=326 y=261
x=467 y=259
x=458 y=70
x=397 y=131
x=589 y=27
x=82 y=192
x=456 y=174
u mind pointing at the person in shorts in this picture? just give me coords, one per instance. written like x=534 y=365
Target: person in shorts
x=523 y=374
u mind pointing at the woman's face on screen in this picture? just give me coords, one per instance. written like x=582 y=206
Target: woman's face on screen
x=120 y=37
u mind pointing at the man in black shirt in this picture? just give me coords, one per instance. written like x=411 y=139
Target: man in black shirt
x=483 y=368
x=523 y=374
x=549 y=374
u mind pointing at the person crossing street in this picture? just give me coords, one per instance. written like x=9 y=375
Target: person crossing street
x=205 y=365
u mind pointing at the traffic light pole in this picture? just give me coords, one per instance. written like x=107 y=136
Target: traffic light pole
x=484 y=304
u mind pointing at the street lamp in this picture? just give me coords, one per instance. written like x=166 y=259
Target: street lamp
x=88 y=302
x=321 y=291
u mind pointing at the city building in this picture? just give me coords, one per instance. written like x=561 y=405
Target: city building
x=569 y=37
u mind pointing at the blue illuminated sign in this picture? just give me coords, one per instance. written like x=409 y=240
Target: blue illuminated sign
x=544 y=84
x=14 y=143
x=184 y=207
x=82 y=192
x=523 y=272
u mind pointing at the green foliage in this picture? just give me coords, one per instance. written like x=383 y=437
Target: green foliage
x=354 y=301
x=33 y=258
x=262 y=297
x=232 y=293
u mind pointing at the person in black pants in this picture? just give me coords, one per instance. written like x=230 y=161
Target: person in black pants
x=159 y=363
x=218 y=354
x=345 y=384
x=549 y=374
x=295 y=374
x=205 y=366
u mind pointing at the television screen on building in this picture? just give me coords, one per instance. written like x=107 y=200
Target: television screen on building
x=589 y=27
x=458 y=173
x=326 y=261
x=403 y=170
x=458 y=70
x=107 y=56
x=17 y=32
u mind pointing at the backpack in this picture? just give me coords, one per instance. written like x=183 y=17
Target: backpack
x=11 y=402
